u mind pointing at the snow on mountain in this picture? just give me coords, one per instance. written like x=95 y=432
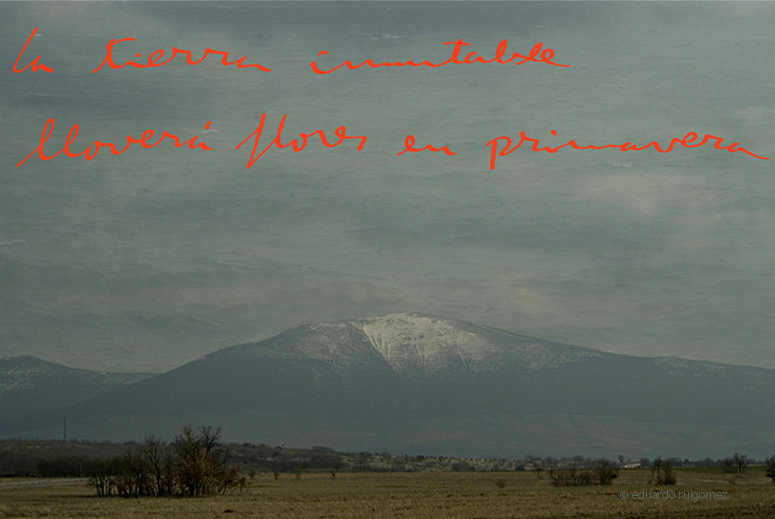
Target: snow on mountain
x=417 y=382
x=413 y=343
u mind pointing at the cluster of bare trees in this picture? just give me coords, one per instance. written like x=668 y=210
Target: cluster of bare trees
x=736 y=464
x=602 y=473
x=192 y=465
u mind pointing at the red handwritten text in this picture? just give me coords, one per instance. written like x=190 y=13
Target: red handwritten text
x=154 y=57
x=297 y=147
x=36 y=65
x=91 y=151
x=409 y=146
x=537 y=55
x=688 y=141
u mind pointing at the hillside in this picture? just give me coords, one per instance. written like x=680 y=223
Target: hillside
x=413 y=383
x=29 y=385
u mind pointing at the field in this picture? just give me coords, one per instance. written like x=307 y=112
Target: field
x=419 y=495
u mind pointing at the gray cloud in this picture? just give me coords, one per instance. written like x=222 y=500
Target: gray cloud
x=150 y=259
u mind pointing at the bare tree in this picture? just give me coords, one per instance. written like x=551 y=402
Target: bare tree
x=741 y=461
x=102 y=476
x=133 y=480
x=605 y=472
x=736 y=464
x=158 y=456
x=200 y=464
x=770 y=464
x=229 y=479
x=662 y=473
x=538 y=466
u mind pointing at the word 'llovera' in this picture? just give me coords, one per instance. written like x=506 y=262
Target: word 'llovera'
x=91 y=151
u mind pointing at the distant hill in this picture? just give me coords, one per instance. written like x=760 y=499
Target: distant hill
x=29 y=385
x=413 y=383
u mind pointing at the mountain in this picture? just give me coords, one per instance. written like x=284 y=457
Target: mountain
x=407 y=382
x=29 y=385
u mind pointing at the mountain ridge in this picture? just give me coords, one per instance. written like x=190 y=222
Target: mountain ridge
x=29 y=385
x=394 y=379
x=408 y=342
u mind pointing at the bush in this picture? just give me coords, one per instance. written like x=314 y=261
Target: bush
x=570 y=476
x=736 y=464
x=605 y=472
x=770 y=465
x=662 y=473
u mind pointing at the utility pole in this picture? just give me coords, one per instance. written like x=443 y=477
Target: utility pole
x=65 y=431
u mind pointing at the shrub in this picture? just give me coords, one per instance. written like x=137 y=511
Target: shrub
x=770 y=465
x=570 y=476
x=662 y=473
x=736 y=464
x=605 y=472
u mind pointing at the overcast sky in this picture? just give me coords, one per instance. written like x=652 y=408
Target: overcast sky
x=150 y=259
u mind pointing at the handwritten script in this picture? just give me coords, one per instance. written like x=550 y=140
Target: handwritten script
x=500 y=146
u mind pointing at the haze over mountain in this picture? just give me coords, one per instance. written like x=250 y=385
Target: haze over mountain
x=30 y=385
x=408 y=382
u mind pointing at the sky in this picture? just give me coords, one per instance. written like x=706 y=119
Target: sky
x=149 y=259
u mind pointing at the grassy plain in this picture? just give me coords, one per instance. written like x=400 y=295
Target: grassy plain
x=417 y=495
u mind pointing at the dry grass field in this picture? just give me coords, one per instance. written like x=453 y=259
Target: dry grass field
x=420 y=495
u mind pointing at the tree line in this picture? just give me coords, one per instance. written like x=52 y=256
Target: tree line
x=196 y=463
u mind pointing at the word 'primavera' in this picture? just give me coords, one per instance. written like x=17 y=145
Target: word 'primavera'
x=688 y=141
